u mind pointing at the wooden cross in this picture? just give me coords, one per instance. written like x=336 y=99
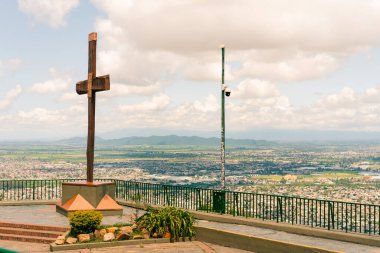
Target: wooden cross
x=90 y=86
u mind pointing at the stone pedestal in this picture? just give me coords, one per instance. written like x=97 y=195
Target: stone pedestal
x=99 y=196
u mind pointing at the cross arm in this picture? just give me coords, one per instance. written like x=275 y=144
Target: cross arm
x=100 y=83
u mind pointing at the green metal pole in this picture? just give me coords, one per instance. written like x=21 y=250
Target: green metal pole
x=222 y=139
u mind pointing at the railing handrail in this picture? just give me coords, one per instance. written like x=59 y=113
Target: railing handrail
x=201 y=188
x=314 y=212
x=255 y=193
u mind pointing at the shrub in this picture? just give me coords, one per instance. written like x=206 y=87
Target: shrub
x=84 y=222
x=177 y=222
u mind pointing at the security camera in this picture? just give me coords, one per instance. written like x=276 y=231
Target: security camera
x=228 y=92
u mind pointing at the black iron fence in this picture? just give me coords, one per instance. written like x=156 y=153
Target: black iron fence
x=14 y=190
x=332 y=215
x=328 y=214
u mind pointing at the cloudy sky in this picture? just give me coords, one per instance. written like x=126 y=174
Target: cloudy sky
x=292 y=65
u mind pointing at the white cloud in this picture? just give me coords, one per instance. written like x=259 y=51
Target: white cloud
x=118 y=89
x=58 y=83
x=157 y=103
x=195 y=25
x=41 y=115
x=343 y=99
x=52 y=13
x=345 y=110
x=296 y=66
x=266 y=43
x=285 y=41
x=203 y=71
x=10 y=97
x=210 y=105
x=128 y=65
x=146 y=46
x=71 y=116
x=251 y=88
x=68 y=96
x=51 y=86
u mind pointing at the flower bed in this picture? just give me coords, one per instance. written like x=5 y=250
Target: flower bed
x=156 y=225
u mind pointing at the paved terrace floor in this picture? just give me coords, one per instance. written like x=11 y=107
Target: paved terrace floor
x=46 y=215
x=293 y=238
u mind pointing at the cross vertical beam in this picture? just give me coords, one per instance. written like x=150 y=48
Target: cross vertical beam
x=91 y=96
x=90 y=86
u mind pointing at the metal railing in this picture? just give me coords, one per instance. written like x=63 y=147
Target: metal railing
x=328 y=214
x=40 y=189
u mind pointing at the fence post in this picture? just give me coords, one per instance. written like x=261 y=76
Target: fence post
x=198 y=200
x=331 y=207
x=279 y=208
x=328 y=214
x=166 y=195
x=117 y=188
x=34 y=188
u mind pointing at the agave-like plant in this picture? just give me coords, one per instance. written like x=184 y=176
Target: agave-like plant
x=177 y=222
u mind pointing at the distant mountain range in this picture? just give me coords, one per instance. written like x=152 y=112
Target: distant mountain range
x=290 y=135
x=171 y=140
x=179 y=140
x=148 y=136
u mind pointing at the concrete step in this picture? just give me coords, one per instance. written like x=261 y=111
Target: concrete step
x=33 y=227
x=24 y=238
x=29 y=232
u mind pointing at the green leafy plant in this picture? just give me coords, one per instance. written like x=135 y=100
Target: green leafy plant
x=84 y=222
x=177 y=222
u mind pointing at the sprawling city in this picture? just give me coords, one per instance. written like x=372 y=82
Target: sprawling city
x=335 y=171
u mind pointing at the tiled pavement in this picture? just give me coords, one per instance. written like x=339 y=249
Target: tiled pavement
x=292 y=238
x=46 y=215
